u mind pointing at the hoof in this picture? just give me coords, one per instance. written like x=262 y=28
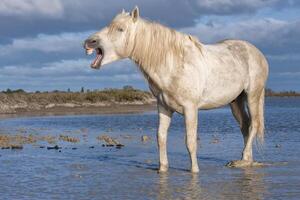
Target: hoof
x=163 y=169
x=195 y=170
x=244 y=164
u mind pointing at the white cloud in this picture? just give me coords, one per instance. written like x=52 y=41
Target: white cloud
x=68 y=68
x=259 y=31
x=46 y=43
x=284 y=57
x=91 y=10
x=272 y=36
x=227 y=6
x=289 y=74
x=26 y=8
x=49 y=69
x=256 y=30
x=69 y=74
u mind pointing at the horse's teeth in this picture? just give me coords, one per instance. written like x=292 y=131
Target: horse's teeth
x=89 y=51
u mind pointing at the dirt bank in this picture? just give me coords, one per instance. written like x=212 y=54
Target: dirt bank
x=110 y=101
x=82 y=110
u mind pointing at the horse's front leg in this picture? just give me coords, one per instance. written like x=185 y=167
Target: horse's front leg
x=164 y=123
x=191 y=123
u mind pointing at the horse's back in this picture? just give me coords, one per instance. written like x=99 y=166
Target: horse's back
x=249 y=54
x=244 y=54
x=258 y=67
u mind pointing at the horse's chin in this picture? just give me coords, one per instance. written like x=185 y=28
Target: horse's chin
x=95 y=66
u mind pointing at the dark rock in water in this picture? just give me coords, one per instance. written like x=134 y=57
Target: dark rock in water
x=91 y=147
x=55 y=147
x=5 y=147
x=42 y=147
x=214 y=141
x=277 y=145
x=16 y=146
x=109 y=141
x=119 y=146
x=74 y=148
x=59 y=150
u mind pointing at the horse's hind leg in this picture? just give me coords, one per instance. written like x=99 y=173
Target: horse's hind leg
x=254 y=105
x=238 y=108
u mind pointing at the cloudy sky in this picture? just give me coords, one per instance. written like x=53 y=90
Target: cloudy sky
x=41 y=40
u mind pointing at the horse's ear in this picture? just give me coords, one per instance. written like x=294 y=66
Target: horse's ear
x=135 y=13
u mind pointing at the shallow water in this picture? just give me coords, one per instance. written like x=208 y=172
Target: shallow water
x=130 y=172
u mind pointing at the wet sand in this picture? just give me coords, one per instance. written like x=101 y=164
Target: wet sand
x=84 y=110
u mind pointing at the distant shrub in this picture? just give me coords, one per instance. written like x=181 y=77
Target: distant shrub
x=9 y=91
x=128 y=94
x=94 y=97
x=128 y=87
x=270 y=92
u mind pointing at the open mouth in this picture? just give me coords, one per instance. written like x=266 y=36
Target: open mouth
x=99 y=56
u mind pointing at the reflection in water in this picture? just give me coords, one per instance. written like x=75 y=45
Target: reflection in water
x=252 y=185
x=193 y=189
x=246 y=184
x=187 y=187
x=163 y=188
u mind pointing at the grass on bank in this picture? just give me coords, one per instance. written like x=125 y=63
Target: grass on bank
x=59 y=97
x=127 y=94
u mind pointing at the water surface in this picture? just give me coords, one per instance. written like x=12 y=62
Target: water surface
x=130 y=172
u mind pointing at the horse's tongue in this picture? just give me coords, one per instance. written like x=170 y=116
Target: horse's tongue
x=97 y=59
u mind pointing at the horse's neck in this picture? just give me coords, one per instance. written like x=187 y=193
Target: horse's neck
x=161 y=71
x=158 y=79
x=156 y=64
x=150 y=78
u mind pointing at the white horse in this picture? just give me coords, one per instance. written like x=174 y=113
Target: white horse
x=186 y=75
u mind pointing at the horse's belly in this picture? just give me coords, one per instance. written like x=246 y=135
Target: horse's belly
x=220 y=95
x=170 y=102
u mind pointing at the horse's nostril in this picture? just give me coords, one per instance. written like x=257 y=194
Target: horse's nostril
x=91 y=41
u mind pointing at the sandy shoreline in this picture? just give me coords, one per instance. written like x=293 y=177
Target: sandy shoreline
x=82 y=110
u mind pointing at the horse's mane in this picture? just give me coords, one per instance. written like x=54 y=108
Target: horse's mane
x=155 y=43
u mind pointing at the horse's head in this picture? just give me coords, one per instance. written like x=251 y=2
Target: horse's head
x=113 y=42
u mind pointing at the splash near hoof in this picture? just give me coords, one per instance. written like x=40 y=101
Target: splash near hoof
x=244 y=164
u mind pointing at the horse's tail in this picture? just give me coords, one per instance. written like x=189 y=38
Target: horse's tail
x=261 y=126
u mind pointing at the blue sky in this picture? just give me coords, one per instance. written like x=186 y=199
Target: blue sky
x=41 y=41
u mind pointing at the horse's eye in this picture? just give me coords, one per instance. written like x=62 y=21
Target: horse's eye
x=120 y=29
